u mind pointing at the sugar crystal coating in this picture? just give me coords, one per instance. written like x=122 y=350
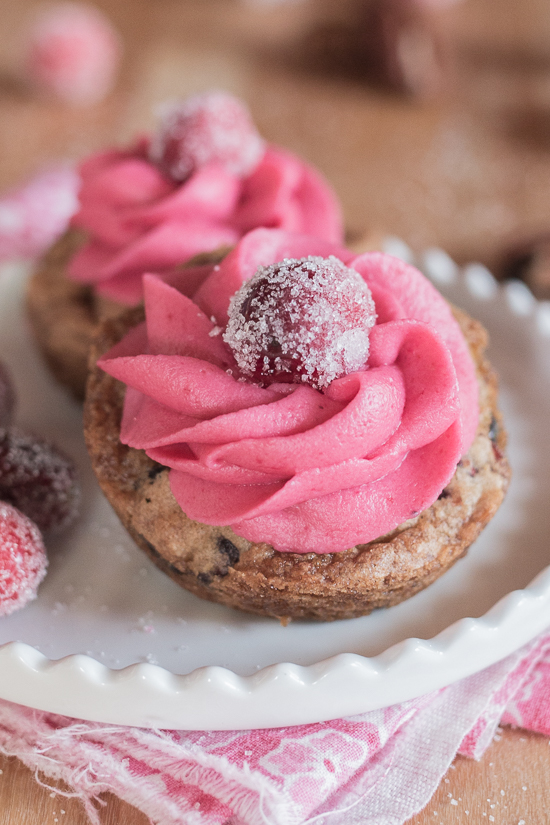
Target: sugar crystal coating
x=7 y=397
x=38 y=479
x=301 y=320
x=23 y=560
x=203 y=129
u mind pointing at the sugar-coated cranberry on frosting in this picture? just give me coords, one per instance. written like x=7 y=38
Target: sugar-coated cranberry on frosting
x=23 y=560
x=198 y=184
x=302 y=469
x=214 y=128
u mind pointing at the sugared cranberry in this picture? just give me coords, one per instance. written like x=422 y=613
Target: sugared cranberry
x=7 y=397
x=301 y=320
x=403 y=46
x=73 y=52
x=38 y=479
x=208 y=128
x=23 y=560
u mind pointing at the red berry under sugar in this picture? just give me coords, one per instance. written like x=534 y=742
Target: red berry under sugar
x=210 y=128
x=301 y=320
x=23 y=560
x=38 y=479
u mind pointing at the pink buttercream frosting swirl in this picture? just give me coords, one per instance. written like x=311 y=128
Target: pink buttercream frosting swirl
x=301 y=469
x=138 y=219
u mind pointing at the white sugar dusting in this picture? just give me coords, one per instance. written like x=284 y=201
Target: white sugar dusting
x=307 y=318
x=203 y=129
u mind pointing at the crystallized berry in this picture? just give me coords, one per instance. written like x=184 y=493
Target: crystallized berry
x=72 y=51
x=23 y=559
x=38 y=479
x=7 y=397
x=301 y=320
x=208 y=128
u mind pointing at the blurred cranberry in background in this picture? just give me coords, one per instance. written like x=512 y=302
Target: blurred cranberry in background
x=403 y=47
x=204 y=129
x=400 y=46
x=73 y=52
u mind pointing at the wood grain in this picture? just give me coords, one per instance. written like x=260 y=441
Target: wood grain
x=467 y=172
x=510 y=784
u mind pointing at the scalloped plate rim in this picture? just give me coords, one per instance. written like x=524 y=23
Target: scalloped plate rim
x=229 y=688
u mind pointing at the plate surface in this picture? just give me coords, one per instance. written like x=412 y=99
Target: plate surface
x=133 y=648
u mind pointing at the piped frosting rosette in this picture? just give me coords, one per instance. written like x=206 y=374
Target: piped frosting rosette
x=302 y=469
x=139 y=217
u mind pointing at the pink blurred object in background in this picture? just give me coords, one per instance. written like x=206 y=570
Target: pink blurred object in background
x=34 y=215
x=73 y=52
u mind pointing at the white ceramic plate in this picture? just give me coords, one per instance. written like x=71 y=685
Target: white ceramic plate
x=112 y=639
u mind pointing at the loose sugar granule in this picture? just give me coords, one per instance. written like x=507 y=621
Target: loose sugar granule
x=301 y=320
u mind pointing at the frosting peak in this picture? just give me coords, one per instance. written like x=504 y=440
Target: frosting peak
x=138 y=218
x=303 y=469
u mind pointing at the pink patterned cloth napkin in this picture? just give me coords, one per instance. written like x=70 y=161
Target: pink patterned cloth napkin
x=380 y=767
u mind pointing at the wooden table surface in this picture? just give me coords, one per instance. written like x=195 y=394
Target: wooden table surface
x=510 y=785
x=468 y=172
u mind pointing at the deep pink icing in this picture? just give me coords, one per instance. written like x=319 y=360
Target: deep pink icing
x=139 y=220
x=301 y=469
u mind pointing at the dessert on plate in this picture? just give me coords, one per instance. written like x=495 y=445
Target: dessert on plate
x=197 y=185
x=312 y=434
